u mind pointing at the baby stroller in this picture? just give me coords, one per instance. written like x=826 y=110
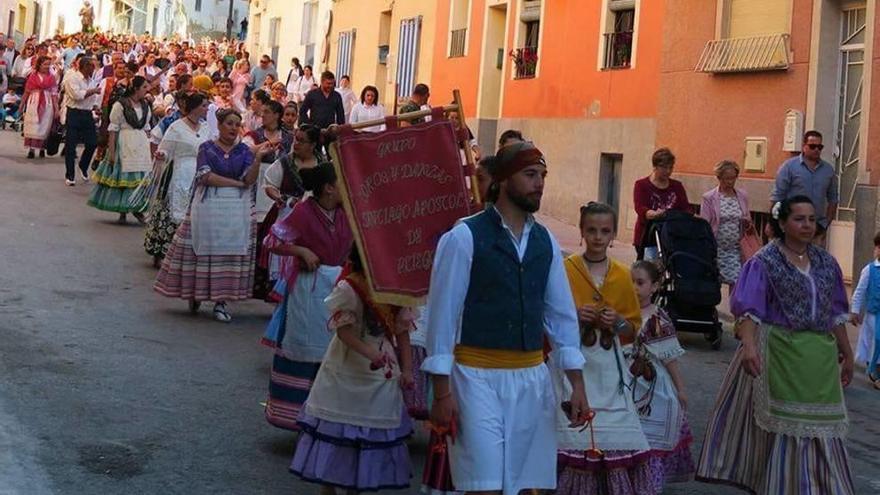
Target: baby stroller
x=691 y=285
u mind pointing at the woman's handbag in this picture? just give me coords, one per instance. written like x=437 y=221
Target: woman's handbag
x=750 y=243
x=53 y=141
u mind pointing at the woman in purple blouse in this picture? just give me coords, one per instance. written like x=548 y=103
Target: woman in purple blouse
x=780 y=420
x=211 y=257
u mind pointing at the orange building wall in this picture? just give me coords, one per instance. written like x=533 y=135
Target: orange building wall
x=704 y=117
x=460 y=73
x=568 y=80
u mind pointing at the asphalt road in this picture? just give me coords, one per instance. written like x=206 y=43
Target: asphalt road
x=108 y=388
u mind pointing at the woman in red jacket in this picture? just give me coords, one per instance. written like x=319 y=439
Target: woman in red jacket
x=653 y=196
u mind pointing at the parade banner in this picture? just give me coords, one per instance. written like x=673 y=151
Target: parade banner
x=402 y=190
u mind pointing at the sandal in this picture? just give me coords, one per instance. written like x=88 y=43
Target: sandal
x=194 y=306
x=221 y=314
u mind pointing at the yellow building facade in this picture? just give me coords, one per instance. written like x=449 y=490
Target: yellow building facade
x=383 y=43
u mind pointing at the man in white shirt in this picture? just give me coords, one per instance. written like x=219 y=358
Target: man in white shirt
x=9 y=54
x=80 y=99
x=498 y=287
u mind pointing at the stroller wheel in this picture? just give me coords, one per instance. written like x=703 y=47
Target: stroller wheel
x=714 y=338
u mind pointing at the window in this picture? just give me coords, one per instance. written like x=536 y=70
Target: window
x=619 y=40
x=274 y=35
x=345 y=54
x=309 y=19
x=747 y=18
x=459 y=15
x=198 y=5
x=752 y=36
x=22 y=15
x=525 y=56
x=408 y=55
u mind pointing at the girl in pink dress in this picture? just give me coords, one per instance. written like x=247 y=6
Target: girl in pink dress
x=241 y=77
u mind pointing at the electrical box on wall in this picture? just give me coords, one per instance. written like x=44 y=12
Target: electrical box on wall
x=794 y=131
x=755 y=159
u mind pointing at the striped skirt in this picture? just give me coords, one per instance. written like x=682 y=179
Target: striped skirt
x=289 y=386
x=205 y=278
x=739 y=453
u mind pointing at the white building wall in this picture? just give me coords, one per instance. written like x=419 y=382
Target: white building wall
x=289 y=41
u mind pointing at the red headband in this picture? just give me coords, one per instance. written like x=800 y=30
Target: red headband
x=514 y=158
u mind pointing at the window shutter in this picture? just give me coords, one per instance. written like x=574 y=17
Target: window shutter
x=408 y=55
x=747 y=18
x=531 y=11
x=617 y=5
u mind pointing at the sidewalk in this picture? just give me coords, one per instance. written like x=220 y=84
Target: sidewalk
x=569 y=239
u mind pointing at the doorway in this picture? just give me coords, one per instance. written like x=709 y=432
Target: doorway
x=610 y=170
x=492 y=72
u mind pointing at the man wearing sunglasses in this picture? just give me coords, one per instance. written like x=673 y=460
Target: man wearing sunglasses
x=809 y=175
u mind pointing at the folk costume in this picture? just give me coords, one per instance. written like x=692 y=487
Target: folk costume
x=180 y=143
x=354 y=426
x=41 y=106
x=783 y=432
x=663 y=419
x=866 y=302
x=628 y=466
x=117 y=176
x=211 y=257
x=298 y=329
x=492 y=298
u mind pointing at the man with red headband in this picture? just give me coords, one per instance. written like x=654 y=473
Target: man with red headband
x=498 y=287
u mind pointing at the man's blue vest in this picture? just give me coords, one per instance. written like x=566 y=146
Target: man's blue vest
x=504 y=306
x=874 y=290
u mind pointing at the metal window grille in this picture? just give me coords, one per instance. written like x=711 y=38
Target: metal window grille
x=408 y=54
x=345 y=54
x=618 y=50
x=457 y=43
x=757 y=53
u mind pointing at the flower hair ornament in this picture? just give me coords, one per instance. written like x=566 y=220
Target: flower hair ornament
x=774 y=212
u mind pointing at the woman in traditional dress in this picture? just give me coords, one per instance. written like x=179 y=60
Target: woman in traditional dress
x=211 y=257
x=128 y=157
x=614 y=454
x=283 y=185
x=726 y=208
x=314 y=242
x=779 y=421
x=178 y=148
x=272 y=132
x=40 y=106
x=224 y=98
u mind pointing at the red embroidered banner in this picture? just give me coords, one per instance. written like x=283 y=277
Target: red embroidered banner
x=402 y=189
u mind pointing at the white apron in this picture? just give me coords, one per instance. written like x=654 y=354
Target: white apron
x=134 y=151
x=617 y=425
x=221 y=222
x=274 y=259
x=264 y=202
x=307 y=337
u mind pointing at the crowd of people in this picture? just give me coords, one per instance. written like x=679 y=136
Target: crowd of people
x=535 y=371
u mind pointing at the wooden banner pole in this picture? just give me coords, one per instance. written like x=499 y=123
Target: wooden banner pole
x=406 y=117
x=468 y=151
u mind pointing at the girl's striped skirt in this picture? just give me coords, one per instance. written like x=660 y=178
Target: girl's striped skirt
x=289 y=386
x=205 y=278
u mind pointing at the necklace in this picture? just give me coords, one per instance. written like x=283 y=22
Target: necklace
x=195 y=126
x=225 y=146
x=595 y=262
x=800 y=256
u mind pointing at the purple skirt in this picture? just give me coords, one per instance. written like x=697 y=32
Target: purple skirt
x=621 y=472
x=353 y=457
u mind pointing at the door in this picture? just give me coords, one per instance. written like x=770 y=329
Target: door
x=847 y=134
x=10 y=27
x=490 y=83
x=610 y=169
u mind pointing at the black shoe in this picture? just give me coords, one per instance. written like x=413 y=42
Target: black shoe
x=30 y=155
x=42 y=153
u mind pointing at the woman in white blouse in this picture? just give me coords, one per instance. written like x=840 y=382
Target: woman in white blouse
x=303 y=85
x=368 y=109
x=22 y=65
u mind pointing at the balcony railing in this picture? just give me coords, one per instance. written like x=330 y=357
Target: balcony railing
x=758 y=53
x=457 y=42
x=526 y=61
x=618 y=50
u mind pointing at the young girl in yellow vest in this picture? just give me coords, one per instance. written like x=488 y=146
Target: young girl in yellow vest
x=612 y=456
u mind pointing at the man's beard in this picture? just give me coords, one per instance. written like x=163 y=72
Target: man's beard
x=523 y=202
